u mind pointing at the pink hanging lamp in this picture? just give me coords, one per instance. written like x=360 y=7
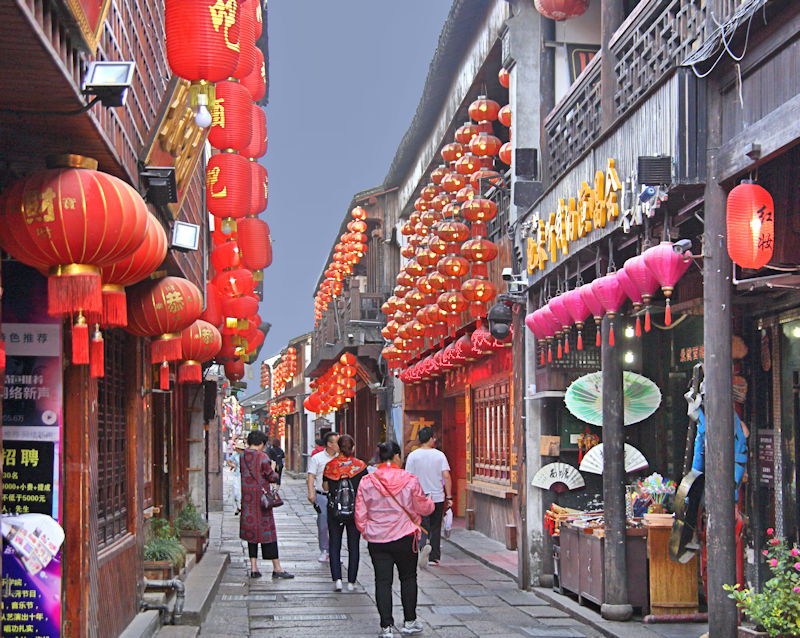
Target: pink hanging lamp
x=611 y=296
x=632 y=291
x=548 y=315
x=542 y=330
x=594 y=306
x=563 y=317
x=643 y=279
x=667 y=267
x=578 y=310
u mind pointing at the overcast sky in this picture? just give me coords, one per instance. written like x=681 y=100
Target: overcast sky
x=345 y=78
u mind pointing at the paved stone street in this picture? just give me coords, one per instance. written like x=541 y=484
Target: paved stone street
x=460 y=598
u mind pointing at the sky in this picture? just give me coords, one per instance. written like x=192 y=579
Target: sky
x=345 y=78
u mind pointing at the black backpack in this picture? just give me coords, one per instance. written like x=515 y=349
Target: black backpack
x=344 y=501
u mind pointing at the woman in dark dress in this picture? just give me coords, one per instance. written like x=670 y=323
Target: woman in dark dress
x=277 y=454
x=257 y=525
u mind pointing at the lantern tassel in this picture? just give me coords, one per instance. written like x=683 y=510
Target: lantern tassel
x=2 y=358
x=69 y=292
x=190 y=372
x=97 y=355
x=611 y=335
x=647 y=319
x=638 y=327
x=166 y=348
x=549 y=353
x=559 y=353
x=80 y=341
x=115 y=309
x=566 y=343
x=163 y=377
x=667 y=315
x=541 y=351
x=580 y=340
x=597 y=337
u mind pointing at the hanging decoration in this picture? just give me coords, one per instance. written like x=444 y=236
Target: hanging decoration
x=637 y=271
x=667 y=267
x=200 y=342
x=561 y=9
x=611 y=297
x=750 y=220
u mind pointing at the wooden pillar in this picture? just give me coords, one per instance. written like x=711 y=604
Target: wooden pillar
x=612 y=13
x=616 y=605
x=720 y=487
x=79 y=578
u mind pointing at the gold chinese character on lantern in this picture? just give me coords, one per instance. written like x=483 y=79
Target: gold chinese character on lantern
x=174 y=301
x=38 y=206
x=212 y=177
x=223 y=14
x=218 y=113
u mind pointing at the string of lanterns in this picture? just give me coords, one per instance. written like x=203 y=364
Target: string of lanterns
x=284 y=371
x=335 y=387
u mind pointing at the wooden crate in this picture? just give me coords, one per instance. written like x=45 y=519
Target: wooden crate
x=673 y=585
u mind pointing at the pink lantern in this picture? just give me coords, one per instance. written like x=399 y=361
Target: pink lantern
x=549 y=317
x=533 y=322
x=594 y=306
x=578 y=310
x=611 y=296
x=643 y=279
x=561 y=313
x=667 y=267
x=632 y=290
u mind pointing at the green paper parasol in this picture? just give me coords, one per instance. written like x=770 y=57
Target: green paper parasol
x=584 y=397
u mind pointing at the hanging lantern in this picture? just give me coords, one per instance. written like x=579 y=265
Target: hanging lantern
x=257 y=146
x=451 y=152
x=505 y=153
x=667 y=267
x=453 y=182
x=256 y=81
x=504 y=116
x=255 y=243
x=560 y=312
x=480 y=293
x=632 y=291
x=213 y=312
x=438 y=173
x=543 y=330
x=467 y=164
x=228 y=188
x=234 y=370
x=504 y=78
x=594 y=306
x=247 y=39
x=645 y=282
x=231 y=117
x=259 y=187
x=578 y=311
x=358 y=213
x=429 y=192
x=561 y=9
x=483 y=109
x=200 y=342
x=611 y=296
x=485 y=145
x=465 y=133
x=751 y=225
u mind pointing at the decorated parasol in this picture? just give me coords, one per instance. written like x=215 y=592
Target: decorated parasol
x=593 y=460
x=559 y=477
x=584 y=397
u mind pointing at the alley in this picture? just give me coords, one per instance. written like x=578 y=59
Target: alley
x=460 y=598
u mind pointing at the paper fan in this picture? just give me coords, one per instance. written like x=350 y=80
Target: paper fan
x=584 y=397
x=593 y=460
x=559 y=477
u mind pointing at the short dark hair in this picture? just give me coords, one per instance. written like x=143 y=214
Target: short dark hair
x=276 y=442
x=327 y=437
x=388 y=450
x=425 y=434
x=256 y=438
x=346 y=445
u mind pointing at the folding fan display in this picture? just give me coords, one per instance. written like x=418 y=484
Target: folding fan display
x=593 y=460
x=559 y=477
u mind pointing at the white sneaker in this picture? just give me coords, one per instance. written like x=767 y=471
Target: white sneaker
x=386 y=631
x=411 y=627
x=337 y=585
x=351 y=586
x=323 y=557
x=422 y=559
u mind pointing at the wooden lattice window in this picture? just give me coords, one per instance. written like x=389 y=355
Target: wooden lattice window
x=491 y=434
x=112 y=442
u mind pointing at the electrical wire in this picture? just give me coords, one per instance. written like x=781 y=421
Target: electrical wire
x=83 y=109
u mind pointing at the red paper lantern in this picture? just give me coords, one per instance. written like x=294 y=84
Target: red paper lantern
x=239 y=307
x=228 y=186
x=234 y=370
x=451 y=152
x=504 y=115
x=465 y=133
x=453 y=182
x=256 y=80
x=200 y=343
x=483 y=109
x=247 y=39
x=358 y=213
x=231 y=117
x=561 y=9
x=438 y=173
x=485 y=145
x=259 y=187
x=255 y=243
x=480 y=293
x=257 y=146
x=213 y=312
x=226 y=256
x=429 y=192
x=504 y=77
x=505 y=153
x=751 y=225
x=72 y=221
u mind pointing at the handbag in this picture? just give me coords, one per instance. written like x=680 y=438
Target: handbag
x=411 y=518
x=269 y=497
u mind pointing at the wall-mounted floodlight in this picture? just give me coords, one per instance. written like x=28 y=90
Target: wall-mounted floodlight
x=185 y=236
x=160 y=187
x=109 y=81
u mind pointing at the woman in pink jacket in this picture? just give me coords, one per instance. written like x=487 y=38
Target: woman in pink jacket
x=389 y=505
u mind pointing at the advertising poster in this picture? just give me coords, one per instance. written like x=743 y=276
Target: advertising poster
x=32 y=430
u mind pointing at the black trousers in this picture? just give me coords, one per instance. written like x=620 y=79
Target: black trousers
x=269 y=551
x=433 y=523
x=384 y=557
x=335 y=532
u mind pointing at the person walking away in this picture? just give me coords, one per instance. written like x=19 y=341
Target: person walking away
x=340 y=480
x=320 y=445
x=389 y=506
x=257 y=525
x=235 y=465
x=316 y=495
x=430 y=466
x=278 y=455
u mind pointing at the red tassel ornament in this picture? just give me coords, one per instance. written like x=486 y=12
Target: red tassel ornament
x=647 y=319
x=190 y=372
x=667 y=314
x=80 y=341
x=97 y=365
x=580 y=340
x=566 y=343
x=559 y=353
x=597 y=338
x=611 y=335
x=541 y=351
x=638 y=327
x=163 y=376
x=549 y=353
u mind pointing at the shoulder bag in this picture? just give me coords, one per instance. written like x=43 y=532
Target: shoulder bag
x=269 y=497
x=411 y=518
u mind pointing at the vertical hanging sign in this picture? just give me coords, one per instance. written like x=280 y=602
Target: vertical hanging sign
x=32 y=452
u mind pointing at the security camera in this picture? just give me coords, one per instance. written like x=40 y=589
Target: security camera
x=350 y=336
x=508 y=274
x=682 y=245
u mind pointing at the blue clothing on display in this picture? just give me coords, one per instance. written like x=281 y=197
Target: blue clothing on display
x=739 y=450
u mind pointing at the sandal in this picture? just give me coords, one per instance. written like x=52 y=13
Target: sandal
x=283 y=574
x=255 y=574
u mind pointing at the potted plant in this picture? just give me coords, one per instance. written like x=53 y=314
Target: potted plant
x=775 y=611
x=163 y=552
x=192 y=529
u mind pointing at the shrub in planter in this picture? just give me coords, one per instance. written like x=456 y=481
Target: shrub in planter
x=776 y=609
x=192 y=529
x=163 y=545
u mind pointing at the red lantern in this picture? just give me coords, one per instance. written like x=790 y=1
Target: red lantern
x=234 y=282
x=129 y=271
x=505 y=153
x=453 y=182
x=667 y=267
x=247 y=39
x=255 y=243
x=480 y=292
x=213 y=312
x=751 y=225
x=234 y=370
x=256 y=80
x=358 y=213
x=200 y=342
x=257 y=146
x=561 y=9
x=438 y=173
x=228 y=186
x=231 y=117
x=72 y=221
x=467 y=164
x=484 y=109
x=504 y=116
x=465 y=133
x=504 y=78
x=451 y=152
x=485 y=145
x=259 y=187
x=479 y=250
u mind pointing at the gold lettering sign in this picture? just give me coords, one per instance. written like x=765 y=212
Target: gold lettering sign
x=223 y=14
